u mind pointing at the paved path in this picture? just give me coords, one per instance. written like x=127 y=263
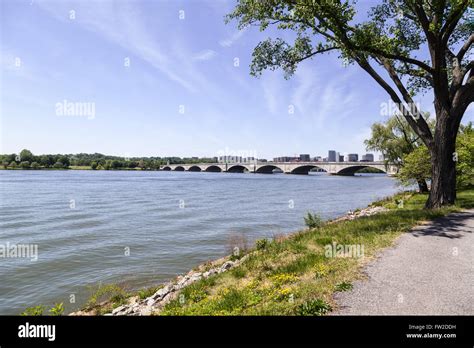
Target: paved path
x=429 y=271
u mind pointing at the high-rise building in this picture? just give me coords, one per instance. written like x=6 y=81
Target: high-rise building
x=368 y=157
x=352 y=157
x=338 y=157
x=331 y=156
x=305 y=157
x=230 y=159
x=341 y=158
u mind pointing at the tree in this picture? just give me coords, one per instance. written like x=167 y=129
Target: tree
x=26 y=155
x=94 y=165
x=64 y=160
x=35 y=165
x=386 y=46
x=25 y=165
x=416 y=166
x=396 y=139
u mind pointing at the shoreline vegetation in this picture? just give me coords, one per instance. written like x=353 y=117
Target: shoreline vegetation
x=25 y=160
x=294 y=274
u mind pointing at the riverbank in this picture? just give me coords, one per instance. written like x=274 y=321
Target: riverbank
x=294 y=275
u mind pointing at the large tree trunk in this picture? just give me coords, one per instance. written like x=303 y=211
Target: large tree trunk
x=443 y=164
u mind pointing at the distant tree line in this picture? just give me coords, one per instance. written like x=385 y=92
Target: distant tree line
x=96 y=161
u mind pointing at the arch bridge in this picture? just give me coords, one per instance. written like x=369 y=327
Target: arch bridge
x=334 y=168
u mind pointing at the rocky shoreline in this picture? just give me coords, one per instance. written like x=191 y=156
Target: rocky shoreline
x=153 y=304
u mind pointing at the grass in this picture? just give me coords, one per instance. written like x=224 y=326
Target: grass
x=295 y=275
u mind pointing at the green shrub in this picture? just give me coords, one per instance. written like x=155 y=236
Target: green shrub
x=313 y=307
x=313 y=220
x=35 y=311
x=261 y=244
x=57 y=309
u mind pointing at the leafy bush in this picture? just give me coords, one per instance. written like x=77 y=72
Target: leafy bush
x=57 y=309
x=25 y=165
x=35 y=311
x=313 y=220
x=261 y=244
x=313 y=307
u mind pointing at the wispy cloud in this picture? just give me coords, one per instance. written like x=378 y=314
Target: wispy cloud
x=205 y=55
x=121 y=23
x=319 y=98
x=229 y=41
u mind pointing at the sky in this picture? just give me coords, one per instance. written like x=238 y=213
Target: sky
x=169 y=78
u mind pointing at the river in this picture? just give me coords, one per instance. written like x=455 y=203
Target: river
x=140 y=228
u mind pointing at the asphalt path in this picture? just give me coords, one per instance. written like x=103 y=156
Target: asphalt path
x=429 y=271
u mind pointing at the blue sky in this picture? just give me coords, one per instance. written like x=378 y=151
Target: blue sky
x=182 y=93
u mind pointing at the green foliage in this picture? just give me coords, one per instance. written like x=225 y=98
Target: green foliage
x=34 y=311
x=261 y=244
x=25 y=165
x=394 y=138
x=26 y=155
x=416 y=166
x=238 y=272
x=313 y=307
x=107 y=292
x=57 y=309
x=96 y=161
x=145 y=293
x=344 y=286
x=58 y=165
x=35 y=165
x=465 y=156
x=313 y=220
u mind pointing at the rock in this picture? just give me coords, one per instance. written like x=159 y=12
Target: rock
x=227 y=265
x=119 y=309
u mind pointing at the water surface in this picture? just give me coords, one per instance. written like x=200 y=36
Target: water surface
x=85 y=222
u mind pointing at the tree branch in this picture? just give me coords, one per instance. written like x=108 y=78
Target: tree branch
x=426 y=136
x=465 y=47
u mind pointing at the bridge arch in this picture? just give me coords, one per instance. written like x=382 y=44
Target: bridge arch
x=237 y=168
x=351 y=170
x=268 y=169
x=167 y=168
x=305 y=169
x=179 y=169
x=194 y=169
x=213 y=169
